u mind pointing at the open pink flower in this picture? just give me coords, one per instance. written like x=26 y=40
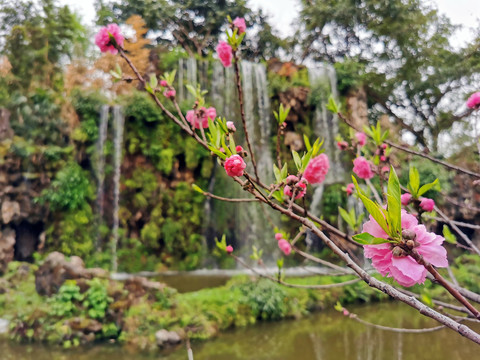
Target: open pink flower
x=404 y=269
x=362 y=168
x=427 y=204
x=224 y=51
x=102 y=39
x=240 y=24
x=473 y=101
x=405 y=198
x=361 y=138
x=317 y=169
x=229 y=249
x=234 y=165
x=285 y=246
x=200 y=118
x=350 y=188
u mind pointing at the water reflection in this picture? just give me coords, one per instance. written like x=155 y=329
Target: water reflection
x=323 y=336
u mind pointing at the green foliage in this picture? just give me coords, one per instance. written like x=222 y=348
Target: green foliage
x=64 y=303
x=96 y=301
x=265 y=299
x=70 y=190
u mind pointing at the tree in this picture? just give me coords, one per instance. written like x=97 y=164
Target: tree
x=400 y=50
x=195 y=25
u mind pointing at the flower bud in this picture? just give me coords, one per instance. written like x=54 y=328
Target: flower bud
x=408 y=234
x=397 y=251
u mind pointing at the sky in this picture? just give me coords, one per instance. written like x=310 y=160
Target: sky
x=283 y=13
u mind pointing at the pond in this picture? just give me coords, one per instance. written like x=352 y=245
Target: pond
x=326 y=335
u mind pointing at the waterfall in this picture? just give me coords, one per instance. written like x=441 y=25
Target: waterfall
x=323 y=82
x=245 y=223
x=118 y=121
x=100 y=167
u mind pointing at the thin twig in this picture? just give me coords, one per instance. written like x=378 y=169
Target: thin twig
x=210 y=195
x=242 y=113
x=392 y=329
x=417 y=153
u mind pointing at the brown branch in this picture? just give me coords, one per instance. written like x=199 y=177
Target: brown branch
x=417 y=153
x=207 y=194
x=242 y=113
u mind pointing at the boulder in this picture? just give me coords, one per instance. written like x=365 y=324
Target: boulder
x=10 y=209
x=56 y=269
x=7 y=248
x=167 y=338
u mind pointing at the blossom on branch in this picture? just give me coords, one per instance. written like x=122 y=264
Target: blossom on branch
x=473 y=101
x=301 y=187
x=200 y=118
x=361 y=138
x=362 y=168
x=285 y=246
x=239 y=23
x=317 y=169
x=103 y=41
x=392 y=261
x=405 y=199
x=225 y=54
x=234 y=165
x=427 y=204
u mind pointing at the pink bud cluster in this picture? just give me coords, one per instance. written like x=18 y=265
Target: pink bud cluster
x=283 y=244
x=200 y=117
x=292 y=182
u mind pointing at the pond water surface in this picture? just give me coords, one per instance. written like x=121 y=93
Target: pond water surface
x=322 y=336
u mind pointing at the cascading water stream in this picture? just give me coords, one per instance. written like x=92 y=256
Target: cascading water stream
x=118 y=121
x=245 y=223
x=100 y=166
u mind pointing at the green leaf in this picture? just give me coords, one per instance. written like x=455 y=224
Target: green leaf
x=332 y=105
x=373 y=208
x=307 y=142
x=278 y=195
x=427 y=187
x=367 y=239
x=276 y=172
x=347 y=217
x=153 y=81
x=394 y=204
x=197 y=188
x=217 y=152
x=284 y=171
x=414 y=183
x=296 y=158
x=338 y=306
x=449 y=237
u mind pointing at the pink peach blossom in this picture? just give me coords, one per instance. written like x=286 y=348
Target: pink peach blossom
x=361 y=138
x=362 y=168
x=234 y=165
x=350 y=188
x=231 y=126
x=317 y=169
x=384 y=146
x=102 y=39
x=240 y=24
x=385 y=169
x=200 y=118
x=287 y=190
x=342 y=145
x=383 y=158
x=473 y=101
x=427 y=204
x=285 y=246
x=238 y=148
x=278 y=236
x=224 y=51
x=404 y=269
x=405 y=198
x=163 y=83
x=170 y=94
x=229 y=249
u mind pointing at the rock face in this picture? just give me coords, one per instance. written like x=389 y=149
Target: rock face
x=56 y=269
x=167 y=338
x=7 y=248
